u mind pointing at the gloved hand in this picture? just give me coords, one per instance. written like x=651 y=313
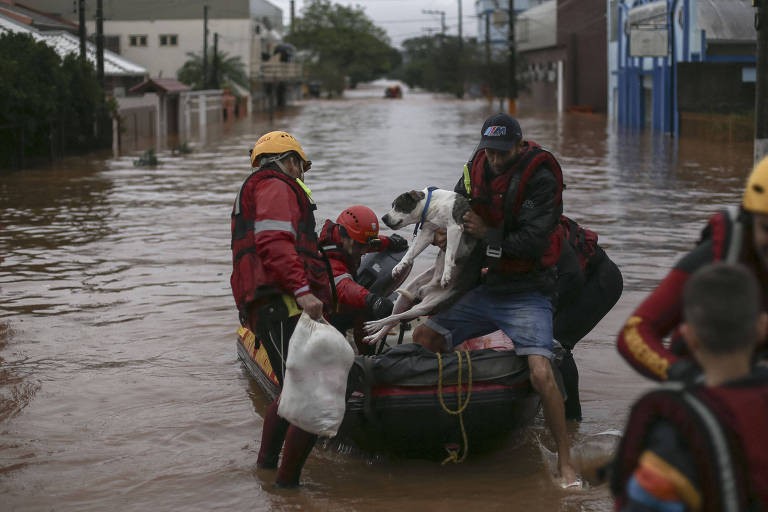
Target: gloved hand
x=378 y=306
x=397 y=243
x=683 y=370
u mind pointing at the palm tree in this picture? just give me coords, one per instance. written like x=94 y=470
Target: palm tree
x=222 y=70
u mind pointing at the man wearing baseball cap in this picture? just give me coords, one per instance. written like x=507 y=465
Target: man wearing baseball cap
x=515 y=188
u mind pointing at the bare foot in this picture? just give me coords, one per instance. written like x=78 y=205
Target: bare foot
x=568 y=477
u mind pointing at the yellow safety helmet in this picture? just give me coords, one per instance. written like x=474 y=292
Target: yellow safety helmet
x=276 y=143
x=756 y=194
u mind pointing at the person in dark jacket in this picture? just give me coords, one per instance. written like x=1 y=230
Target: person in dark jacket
x=356 y=232
x=278 y=271
x=515 y=190
x=589 y=284
x=702 y=446
x=733 y=235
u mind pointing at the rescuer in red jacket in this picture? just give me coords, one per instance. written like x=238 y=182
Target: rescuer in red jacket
x=356 y=232
x=277 y=271
x=732 y=235
x=702 y=446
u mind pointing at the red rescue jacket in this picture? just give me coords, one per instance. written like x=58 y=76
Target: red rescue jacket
x=350 y=294
x=641 y=340
x=274 y=244
x=725 y=430
x=500 y=201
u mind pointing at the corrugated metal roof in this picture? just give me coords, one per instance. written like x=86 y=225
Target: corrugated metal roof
x=65 y=43
x=727 y=20
x=39 y=19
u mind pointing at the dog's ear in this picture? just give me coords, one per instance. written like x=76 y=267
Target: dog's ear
x=417 y=195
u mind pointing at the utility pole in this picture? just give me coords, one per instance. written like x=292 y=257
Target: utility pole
x=512 y=93
x=461 y=39
x=488 y=38
x=81 y=29
x=215 y=70
x=293 y=15
x=442 y=18
x=100 y=42
x=205 y=47
x=761 y=80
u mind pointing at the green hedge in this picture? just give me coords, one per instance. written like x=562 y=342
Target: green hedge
x=48 y=106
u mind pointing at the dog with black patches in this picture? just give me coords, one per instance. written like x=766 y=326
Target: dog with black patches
x=451 y=275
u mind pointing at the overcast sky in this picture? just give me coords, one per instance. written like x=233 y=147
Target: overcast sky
x=403 y=19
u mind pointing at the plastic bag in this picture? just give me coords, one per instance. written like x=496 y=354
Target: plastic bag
x=315 y=383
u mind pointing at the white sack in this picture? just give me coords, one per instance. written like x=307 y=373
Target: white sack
x=315 y=382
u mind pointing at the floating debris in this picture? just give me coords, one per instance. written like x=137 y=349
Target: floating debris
x=147 y=159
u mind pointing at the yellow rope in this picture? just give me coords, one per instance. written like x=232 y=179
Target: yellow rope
x=453 y=455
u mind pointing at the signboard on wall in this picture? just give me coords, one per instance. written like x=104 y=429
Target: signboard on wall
x=648 y=41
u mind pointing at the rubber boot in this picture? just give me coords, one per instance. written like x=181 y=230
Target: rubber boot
x=272 y=436
x=298 y=445
x=571 y=382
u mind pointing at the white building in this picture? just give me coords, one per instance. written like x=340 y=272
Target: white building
x=161 y=35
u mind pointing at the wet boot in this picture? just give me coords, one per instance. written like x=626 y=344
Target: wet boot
x=272 y=436
x=571 y=383
x=298 y=445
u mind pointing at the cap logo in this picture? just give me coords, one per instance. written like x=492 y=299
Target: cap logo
x=495 y=131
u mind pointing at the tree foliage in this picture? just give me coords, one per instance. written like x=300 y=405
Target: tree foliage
x=440 y=64
x=341 y=43
x=222 y=69
x=47 y=105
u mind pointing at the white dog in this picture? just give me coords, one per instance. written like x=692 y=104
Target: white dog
x=430 y=209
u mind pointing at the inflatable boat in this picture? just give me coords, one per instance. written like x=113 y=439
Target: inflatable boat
x=407 y=401
x=413 y=403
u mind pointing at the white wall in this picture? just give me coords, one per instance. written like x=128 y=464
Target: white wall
x=234 y=40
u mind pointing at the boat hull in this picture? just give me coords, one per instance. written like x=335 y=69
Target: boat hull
x=417 y=419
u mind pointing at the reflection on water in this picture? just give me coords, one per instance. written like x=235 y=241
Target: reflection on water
x=119 y=386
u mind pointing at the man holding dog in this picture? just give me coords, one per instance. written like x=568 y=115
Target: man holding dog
x=515 y=188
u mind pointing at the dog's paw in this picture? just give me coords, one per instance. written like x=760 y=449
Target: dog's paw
x=372 y=326
x=446 y=280
x=374 y=336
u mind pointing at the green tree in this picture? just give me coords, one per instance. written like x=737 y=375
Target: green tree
x=441 y=64
x=222 y=69
x=47 y=106
x=341 y=43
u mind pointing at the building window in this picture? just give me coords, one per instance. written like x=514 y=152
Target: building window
x=137 y=40
x=169 y=40
x=112 y=43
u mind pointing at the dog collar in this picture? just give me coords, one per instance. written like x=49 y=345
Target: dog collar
x=424 y=211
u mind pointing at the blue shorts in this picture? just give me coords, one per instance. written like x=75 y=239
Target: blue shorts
x=525 y=317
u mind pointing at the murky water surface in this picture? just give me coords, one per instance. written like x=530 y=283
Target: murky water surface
x=119 y=385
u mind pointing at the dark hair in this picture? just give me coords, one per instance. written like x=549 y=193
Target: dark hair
x=721 y=302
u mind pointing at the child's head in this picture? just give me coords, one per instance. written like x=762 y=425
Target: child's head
x=722 y=309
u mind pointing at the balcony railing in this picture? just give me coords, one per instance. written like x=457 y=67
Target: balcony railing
x=279 y=71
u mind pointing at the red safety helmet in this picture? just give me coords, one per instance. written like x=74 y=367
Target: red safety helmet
x=360 y=223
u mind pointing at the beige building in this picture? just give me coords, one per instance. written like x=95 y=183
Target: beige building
x=161 y=35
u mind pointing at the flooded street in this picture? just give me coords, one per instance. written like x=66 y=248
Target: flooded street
x=119 y=383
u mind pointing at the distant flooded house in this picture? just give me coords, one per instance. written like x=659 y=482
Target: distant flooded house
x=674 y=63
x=119 y=73
x=560 y=44
x=162 y=35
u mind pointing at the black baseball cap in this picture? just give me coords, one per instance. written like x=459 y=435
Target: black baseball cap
x=501 y=132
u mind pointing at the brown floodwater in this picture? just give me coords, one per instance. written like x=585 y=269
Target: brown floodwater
x=119 y=383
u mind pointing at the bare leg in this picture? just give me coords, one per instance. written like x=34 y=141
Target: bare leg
x=428 y=339
x=543 y=382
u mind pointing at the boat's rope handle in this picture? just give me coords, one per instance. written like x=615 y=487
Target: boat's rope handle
x=453 y=454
